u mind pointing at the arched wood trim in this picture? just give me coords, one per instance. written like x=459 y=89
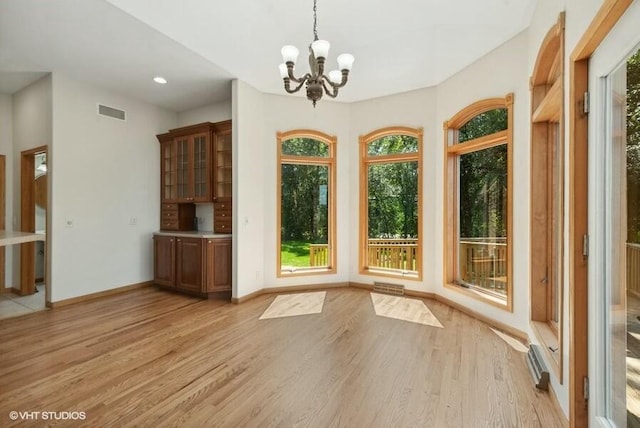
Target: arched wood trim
x=306 y=133
x=465 y=115
x=547 y=53
x=391 y=130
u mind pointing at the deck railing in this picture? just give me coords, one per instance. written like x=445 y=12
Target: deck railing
x=633 y=268
x=483 y=263
x=399 y=254
x=318 y=255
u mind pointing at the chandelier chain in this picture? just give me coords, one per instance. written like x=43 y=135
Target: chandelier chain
x=315 y=21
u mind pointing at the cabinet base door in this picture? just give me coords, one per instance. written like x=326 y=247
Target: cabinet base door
x=164 y=272
x=218 y=265
x=189 y=264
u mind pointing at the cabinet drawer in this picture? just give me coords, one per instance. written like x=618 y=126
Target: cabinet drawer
x=169 y=224
x=222 y=226
x=170 y=215
x=169 y=207
x=221 y=206
x=222 y=216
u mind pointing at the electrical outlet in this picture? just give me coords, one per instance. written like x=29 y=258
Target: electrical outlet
x=133 y=221
x=68 y=223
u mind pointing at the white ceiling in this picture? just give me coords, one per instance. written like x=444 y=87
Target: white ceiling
x=200 y=45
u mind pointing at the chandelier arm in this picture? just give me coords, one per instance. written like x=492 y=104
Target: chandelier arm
x=292 y=77
x=297 y=88
x=345 y=76
x=332 y=94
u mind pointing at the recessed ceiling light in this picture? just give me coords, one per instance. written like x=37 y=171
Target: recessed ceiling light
x=160 y=80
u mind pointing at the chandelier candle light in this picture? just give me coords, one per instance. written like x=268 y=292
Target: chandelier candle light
x=316 y=81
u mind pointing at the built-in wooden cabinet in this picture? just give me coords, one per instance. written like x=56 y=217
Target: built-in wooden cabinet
x=197 y=265
x=195 y=166
x=177 y=216
x=222 y=170
x=185 y=156
x=222 y=217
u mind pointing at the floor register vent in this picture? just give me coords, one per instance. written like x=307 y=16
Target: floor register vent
x=383 y=287
x=537 y=368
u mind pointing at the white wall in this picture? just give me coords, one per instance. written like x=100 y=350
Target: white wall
x=32 y=127
x=6 y=149
x=248 y=189
x=216 y=112
x=104 y=172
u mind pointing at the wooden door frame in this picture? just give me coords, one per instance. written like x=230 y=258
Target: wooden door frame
x=27 y=219
x=606 y=18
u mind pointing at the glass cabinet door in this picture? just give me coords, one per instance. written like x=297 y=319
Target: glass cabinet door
x=169 y=178
x=201 y=169
x=182 y=147
x=223 y=167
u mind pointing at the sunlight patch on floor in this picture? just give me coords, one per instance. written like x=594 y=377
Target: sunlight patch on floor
x=511 y=341
x=402 y=308
x=291 y=305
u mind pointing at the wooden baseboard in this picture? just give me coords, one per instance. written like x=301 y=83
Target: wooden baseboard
x=519 y=334
x=412 y=293
x=247 y=297
x=292 y=289
x=554 y=400
x=99 y=294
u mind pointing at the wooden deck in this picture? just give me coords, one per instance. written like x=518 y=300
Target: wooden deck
x=153 y=358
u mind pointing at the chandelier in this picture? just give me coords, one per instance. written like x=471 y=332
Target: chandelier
x=317 y=83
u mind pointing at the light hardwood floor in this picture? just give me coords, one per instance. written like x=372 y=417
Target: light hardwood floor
x=153 y=358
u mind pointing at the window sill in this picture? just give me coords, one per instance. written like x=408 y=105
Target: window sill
x=548 y=341
x=478 y=295
x=392 y=273
x=305 y=272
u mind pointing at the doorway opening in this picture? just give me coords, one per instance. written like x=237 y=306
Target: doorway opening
x=33 y=219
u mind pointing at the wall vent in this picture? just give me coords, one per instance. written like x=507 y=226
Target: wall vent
x=537 y=368
x=383 y=287
x=111 y=112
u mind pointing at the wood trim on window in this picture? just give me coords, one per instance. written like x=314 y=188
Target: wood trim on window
x=366 y=160
x=452 y=151
x=546 y=279
x=330 y=161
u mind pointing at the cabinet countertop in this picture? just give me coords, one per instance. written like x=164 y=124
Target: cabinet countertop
x=195 y=234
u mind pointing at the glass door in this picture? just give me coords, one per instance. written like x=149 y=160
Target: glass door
x=614 y=256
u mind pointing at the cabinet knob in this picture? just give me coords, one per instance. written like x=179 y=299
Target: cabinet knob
x=223 y=215
x=178 y=240
x=222 y=227
x=170 y=240
x=209 y=241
